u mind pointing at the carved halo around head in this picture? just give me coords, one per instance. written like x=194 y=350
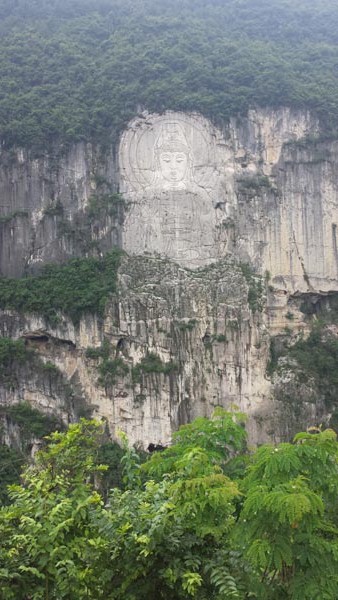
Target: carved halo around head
x=184 y=136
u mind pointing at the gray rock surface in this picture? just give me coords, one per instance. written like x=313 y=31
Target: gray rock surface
x=199 y=204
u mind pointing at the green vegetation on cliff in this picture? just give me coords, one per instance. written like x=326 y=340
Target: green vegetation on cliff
x=11 y=464
x=197 y=521
x=11 y=351
x=80 y=69
x=81 y=286
x=314 y=358
x=29 y=424
x=110 y=366
x=152 y=363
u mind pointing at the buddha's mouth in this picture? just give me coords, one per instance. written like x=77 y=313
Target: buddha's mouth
x=175 y=184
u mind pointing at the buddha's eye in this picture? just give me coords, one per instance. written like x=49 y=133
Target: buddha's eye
x=165 y=157
x=180 y=158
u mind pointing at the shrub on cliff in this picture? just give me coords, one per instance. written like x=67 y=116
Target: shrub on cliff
x=81 y=286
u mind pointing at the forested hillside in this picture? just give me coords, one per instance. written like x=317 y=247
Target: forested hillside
x=150 y=502
x=77 y=70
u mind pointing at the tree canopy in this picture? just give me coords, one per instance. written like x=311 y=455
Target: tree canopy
x=80 y=69
x=205 y=518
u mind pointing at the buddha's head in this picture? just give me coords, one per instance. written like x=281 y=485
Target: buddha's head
x=172 y=155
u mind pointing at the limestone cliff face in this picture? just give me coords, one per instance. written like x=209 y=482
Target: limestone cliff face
x=209 y=349
x=228 y=231
x=44 y=208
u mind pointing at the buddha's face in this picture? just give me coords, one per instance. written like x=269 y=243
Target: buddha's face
x=173 y=165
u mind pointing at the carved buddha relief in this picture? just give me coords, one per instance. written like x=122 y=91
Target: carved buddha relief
x=170 y=174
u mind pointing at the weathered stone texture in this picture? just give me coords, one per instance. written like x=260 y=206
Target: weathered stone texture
x=199 y=203
x=200 y=322
x=43 y=204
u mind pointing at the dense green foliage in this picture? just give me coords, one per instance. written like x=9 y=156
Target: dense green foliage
x=109 y=367
x=32 y=422
x=78 y=69
x=104 y=203
x=11 y=351
x=314 y=360
x=11 y=463
x=289 y=520
x=179 y=526
x=222 y=437
x=152 y=363
x=256 y=288
x=317 y=357
x=82 y=285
